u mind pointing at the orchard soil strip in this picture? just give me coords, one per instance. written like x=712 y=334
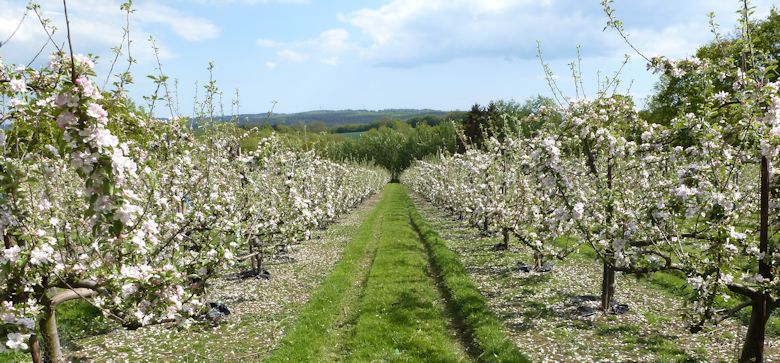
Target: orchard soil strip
x=403 y=316
x=261 y=309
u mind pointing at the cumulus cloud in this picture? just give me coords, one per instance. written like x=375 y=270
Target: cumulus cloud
x=334 y=40
x=410 y=32
x=96 y=26
x=328 y=47
x=188 y=27
x=268 y=43
x=292 y=56
x=250 y=2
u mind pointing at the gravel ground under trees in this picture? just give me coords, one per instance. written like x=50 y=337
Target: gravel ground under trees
x=261 y=309
x=543 y=319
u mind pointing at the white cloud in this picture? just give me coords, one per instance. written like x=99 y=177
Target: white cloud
x=334 y=40
x=410 y=32
x=96 y=27
x=271 y=65
x=268 y=43
x=328 y=47
x=673 y=41
x=188 y=27
x=251 y=2
x=292 y=56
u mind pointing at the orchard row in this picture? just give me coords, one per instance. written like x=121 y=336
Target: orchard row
x=697 y=194
x=99 y=201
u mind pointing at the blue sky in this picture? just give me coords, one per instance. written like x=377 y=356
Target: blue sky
x=374 y=54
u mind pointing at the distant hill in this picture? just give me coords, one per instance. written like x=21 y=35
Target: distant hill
x=335 y=118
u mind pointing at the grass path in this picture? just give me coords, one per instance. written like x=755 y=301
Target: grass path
x=402 y=314
x=385 y=301
x=379 y=286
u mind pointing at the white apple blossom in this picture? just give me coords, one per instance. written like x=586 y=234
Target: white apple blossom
x=17 y=341
x=18 y=86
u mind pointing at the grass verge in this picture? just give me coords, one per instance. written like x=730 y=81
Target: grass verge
x=483 y=329
x=306 y=340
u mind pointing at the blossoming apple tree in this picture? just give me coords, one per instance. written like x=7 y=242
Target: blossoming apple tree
x=104 y=203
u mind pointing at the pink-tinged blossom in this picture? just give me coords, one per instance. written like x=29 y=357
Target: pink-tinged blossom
x=66 y=119
x=15 y=103
x=84 y=60
x=578 y=211
x=99 y=137
x=683 y=192
x=131 y=272
x=88 y=88
x=66 y=100
x=127 y=212
x=96 y=111
x=10 y=255
x=123 y=165
x=129 y=289
x=721 y=96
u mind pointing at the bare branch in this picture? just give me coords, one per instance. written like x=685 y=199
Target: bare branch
x=77 y=293
x=743 y=291
x=70 y=44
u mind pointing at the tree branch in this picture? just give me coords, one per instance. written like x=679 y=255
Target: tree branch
x=73 y=76
x=73 y=294
x=730 y=312
x=743 y=291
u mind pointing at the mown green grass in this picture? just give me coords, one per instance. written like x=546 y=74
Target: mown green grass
x=403 y=317
x=306 y=339
x=484 y=330
x=410 y=300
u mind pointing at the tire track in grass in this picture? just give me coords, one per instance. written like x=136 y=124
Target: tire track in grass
x=334 y=347
x=402 y=313
x=479 y=328
x=317 y=327
x=396 y=296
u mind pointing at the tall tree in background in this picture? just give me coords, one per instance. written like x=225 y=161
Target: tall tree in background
x=502 y=118
x=685 y=91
